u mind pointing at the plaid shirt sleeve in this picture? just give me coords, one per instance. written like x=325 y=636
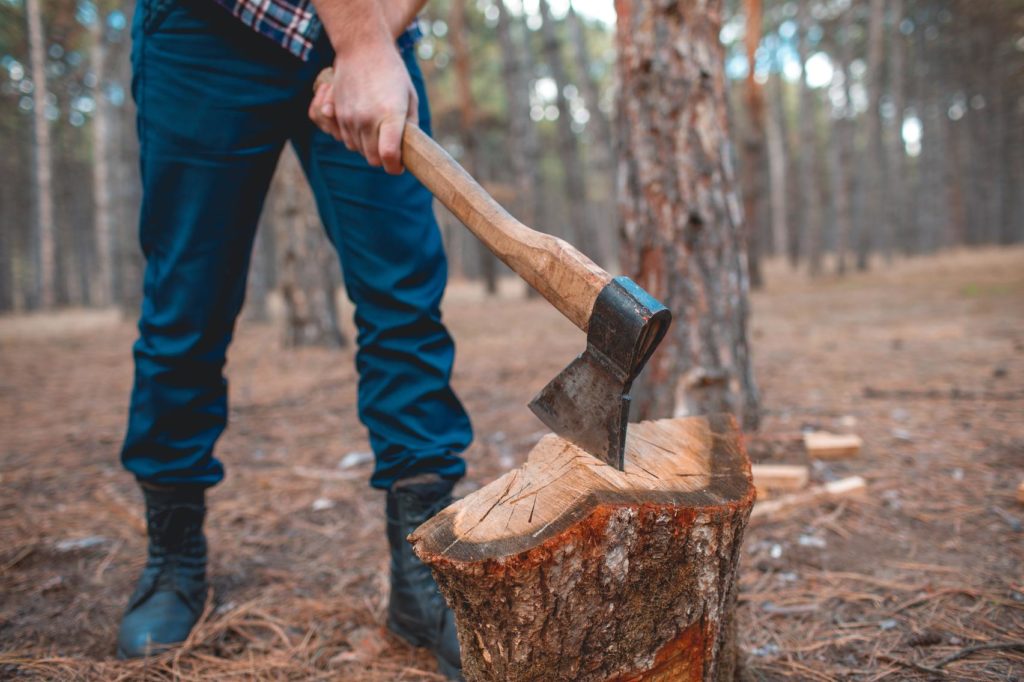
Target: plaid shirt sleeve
x=292 y=24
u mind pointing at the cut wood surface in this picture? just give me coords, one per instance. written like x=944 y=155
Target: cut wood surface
x=1020 y=492
x=824 y=445
x=844 y=487
x=776 y=477
x=568 y=569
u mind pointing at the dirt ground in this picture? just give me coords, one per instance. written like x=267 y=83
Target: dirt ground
x=925 y=361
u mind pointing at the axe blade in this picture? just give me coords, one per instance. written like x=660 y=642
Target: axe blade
x=588 y=402
x=585 y=405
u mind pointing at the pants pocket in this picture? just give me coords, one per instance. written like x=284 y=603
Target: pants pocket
x=154 y=12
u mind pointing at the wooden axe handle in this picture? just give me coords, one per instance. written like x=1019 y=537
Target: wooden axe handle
x=552 y=266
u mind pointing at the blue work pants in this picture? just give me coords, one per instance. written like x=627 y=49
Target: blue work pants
x=216 y=104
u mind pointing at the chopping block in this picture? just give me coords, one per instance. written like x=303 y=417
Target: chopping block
x=569 y=569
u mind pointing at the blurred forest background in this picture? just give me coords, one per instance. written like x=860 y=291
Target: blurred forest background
x=880 y=135
x=863 y=131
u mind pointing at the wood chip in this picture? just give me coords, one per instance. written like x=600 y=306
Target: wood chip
x=769 y=478
x=824 y=445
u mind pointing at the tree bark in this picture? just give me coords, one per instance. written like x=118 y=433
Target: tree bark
x=602 y=138
x=126 y=189
x=262 y=274
x=45 y=225
x=522 y=141
x=573 y=174
x=8 y=255
x=568 y=569
x=467 y=128
x=810 y=215
x=896 y=156
x=308 y=272
x=601 y=143
x=840 y=147
x=103 y=229
x=753 y=148
x=869 y=217
x=681 y=218
x=523 y=146
x=775 y=138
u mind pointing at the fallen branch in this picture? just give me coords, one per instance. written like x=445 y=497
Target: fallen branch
x=968 y=650
x=911 y=664
x=937 y=394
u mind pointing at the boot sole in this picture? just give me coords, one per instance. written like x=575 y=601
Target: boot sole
x=405 y=634
x=446 y=668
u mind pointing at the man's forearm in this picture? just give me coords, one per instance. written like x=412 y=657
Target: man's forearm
x=370 y=96
x=354 y=24
x=351 y=24
x=400 y=13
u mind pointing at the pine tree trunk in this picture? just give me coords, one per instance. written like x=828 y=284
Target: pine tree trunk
x=522 y=140
x=776 y=143
x=940 y=168
x=869 y=219
x=308 y=279
x=754 y=149
x=46 y=249
x=103 y=276
x=601 y=144
x=567 y=569
x=603 y=139
x=126 y=190
x=681 y=218
x=531 y=142
x=896 y=187
x=8 y=300
x=467 y=130
x=807 y=124
x=262 y=274
x=840 y=147
x=569 y=153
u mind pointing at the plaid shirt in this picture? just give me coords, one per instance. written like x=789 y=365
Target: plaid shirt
x=292 y=24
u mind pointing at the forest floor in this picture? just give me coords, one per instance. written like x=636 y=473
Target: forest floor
x=924 y=360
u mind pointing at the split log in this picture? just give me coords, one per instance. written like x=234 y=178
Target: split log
x=824 y=445
x=568 y=569
x=774 y=477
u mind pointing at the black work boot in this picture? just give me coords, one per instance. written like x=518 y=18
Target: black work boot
x=171 y=591
x=416 y=611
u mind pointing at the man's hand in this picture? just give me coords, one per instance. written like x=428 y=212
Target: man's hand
x=369 y=97
x=365 y=102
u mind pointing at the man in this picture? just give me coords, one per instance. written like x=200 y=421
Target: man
x=216 y=102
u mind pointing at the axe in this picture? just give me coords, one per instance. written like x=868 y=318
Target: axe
x=588 y=402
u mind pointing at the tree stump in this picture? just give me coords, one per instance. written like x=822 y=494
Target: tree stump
x=568 y=569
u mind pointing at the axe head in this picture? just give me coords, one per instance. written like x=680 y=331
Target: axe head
x=588 y=402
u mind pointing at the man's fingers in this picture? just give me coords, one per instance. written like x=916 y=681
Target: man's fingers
x=389 y=140
x=368 y=144
x=315 y=105
x=321 y=110
x=347 y=133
